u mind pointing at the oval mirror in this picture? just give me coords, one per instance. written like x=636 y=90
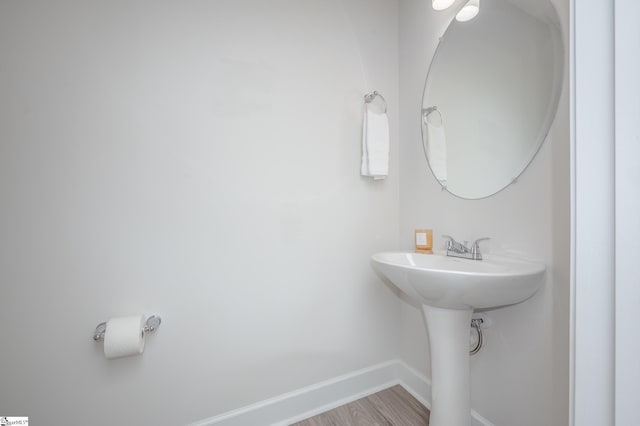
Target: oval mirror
x=491 y=94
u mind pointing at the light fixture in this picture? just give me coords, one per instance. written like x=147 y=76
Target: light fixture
x=468 y=11
x=441 y=4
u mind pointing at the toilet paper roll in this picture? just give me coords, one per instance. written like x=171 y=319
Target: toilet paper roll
x=124 y=336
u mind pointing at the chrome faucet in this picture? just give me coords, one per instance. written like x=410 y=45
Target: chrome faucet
x=456 y=249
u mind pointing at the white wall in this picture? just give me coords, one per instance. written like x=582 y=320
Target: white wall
x=199 y=160
x=521 y=375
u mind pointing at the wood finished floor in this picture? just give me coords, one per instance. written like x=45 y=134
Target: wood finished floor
x=390 y=407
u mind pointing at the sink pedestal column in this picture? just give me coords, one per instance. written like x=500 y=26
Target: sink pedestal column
x=450 y=386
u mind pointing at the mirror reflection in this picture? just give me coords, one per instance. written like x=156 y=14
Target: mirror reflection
x=491 y=95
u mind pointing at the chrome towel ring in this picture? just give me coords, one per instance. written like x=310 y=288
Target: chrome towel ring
x=427 y=111
x=370 y=97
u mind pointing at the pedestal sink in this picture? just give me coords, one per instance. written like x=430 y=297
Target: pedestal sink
x=449 y=289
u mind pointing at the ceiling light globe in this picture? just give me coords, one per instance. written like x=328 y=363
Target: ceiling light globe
x=441 y=4
x=468 y=11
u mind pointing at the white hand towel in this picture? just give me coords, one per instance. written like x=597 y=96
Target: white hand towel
x=375 y=144
x=436 y=146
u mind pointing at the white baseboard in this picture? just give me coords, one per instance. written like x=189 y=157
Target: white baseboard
x=324 y=396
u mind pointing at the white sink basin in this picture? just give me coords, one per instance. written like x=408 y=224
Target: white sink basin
x=449 y=289
x=456 y=283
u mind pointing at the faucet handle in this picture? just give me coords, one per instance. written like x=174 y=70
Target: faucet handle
x=480 y=239
x=475 y=247
x=451 y=241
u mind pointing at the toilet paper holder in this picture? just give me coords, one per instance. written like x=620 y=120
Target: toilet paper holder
x=152 y=323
